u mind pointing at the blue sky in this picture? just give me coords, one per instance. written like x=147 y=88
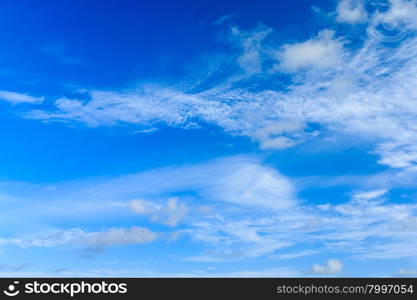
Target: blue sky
x=208 y=138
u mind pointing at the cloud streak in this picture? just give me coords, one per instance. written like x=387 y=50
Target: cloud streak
x=79 y=238
x=18 y=98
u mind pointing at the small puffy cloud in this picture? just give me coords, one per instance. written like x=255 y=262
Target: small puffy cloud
x=169 y=214
x=332 y=267
x=273 y=136
x=351 y=11
x=17 y=98
x=121 y=236
x=172 y=213
x=324 y=51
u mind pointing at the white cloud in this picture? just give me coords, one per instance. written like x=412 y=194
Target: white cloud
x=53 y=238
x=370 y=194
x=141 y=106
x=368 y=93
x=236 y=181
x=147 y=130
x=324 y=51
x=143 y=207
x=332 y=267
x=351 y=11
x=172 y=213
x=251 y=184
x=121 y=236
x=169 y=214
x=351 y=228
x=17 y=98
x=250 y=60
x=272 y=136
x=80 y=238
x=395 y=23
x=253 y=213
x=229 y=185
x=362 y=228
x=401 y=11
x=293 y=254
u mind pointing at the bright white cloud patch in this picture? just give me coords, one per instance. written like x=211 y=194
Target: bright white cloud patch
x=351 y=11
x=324 y=51
x=17 y=98
x=332 y=267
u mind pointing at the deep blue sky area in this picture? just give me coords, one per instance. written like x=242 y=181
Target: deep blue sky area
x=131 y=40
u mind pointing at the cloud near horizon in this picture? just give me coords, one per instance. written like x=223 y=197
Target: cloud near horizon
x=231 y=219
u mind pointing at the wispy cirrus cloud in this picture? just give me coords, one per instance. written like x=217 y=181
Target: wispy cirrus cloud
x=79 y=238
x=17 y=98
x=365 y=91
x=221 y=20
x=239 y=209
